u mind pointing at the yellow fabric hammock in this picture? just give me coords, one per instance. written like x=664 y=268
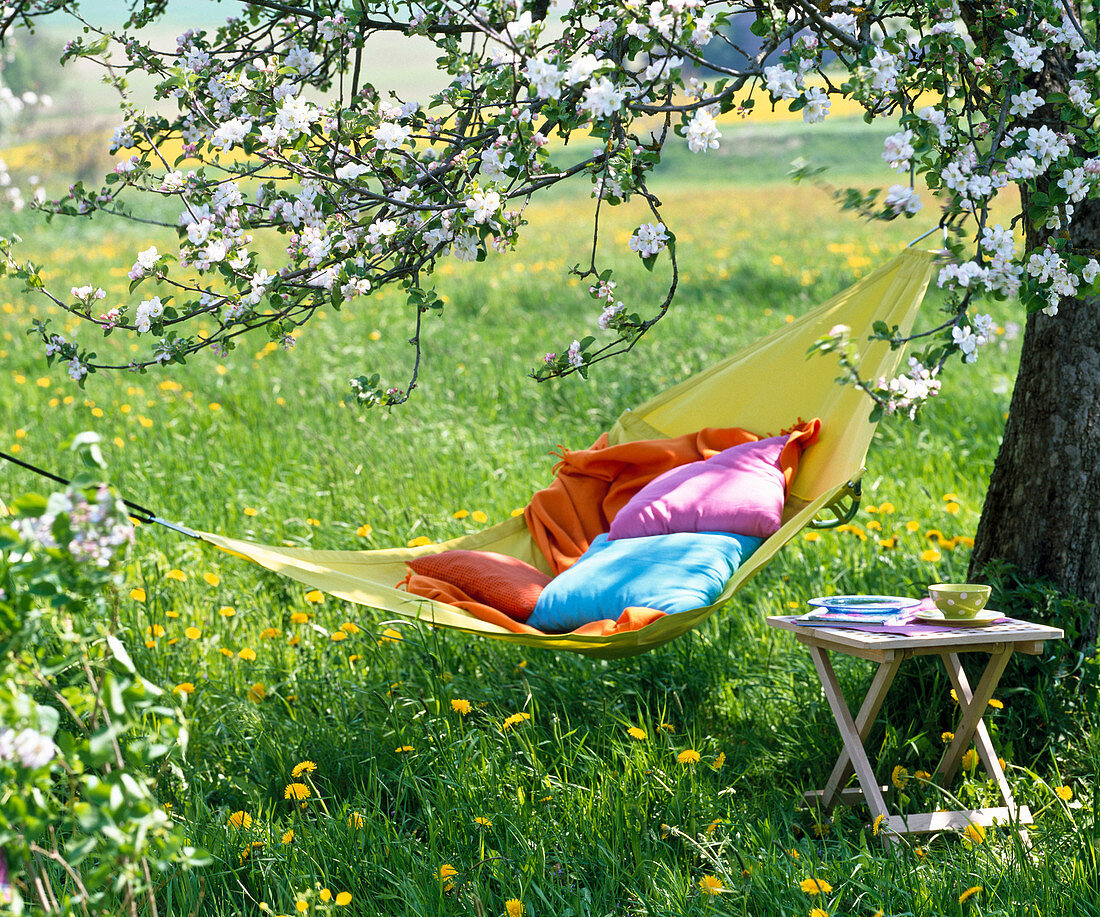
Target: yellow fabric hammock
x=761 y=388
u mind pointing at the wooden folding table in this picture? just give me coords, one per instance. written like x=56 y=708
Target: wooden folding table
x=889 y=650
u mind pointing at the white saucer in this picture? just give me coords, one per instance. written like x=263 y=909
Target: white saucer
x=982 y=619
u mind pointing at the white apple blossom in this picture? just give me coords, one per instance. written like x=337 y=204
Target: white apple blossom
x=649 y=239
x=702 y=132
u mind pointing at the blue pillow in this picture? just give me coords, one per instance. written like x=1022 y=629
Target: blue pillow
x=671 y=573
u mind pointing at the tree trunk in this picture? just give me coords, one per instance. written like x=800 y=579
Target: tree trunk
x=1042 y=511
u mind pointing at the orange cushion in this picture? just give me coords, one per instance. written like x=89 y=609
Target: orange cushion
x=503 y=582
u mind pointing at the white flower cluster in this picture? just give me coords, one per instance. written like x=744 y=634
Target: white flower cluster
x=649 y=239
x=99 y=529
x=32 y=749
x=909 y=391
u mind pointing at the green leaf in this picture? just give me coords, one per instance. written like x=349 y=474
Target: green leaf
x=119 y=652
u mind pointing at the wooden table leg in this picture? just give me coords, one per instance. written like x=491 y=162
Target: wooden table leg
x=982 y=741
x=972 y=710
x=865 y=719
x=849 y=732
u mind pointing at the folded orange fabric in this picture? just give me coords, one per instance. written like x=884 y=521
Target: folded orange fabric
x=441 y=591
x=593 y=484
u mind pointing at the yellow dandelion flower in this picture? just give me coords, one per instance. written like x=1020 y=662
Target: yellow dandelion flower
x=294 y=640
x=515 y=719
x=888 y=508
x=247 y=852
x=922 y=776
x=296 y=791
x=891 y=542
x=149 y=644
x=172 y=614
x=710 y=829
x=270 y=633
x=137 y=594
x=814 y=886
x=872 y=509
x=364 y=531
x=912 y=525
x=876 y=825
x=818 y=912
x=315 y=596
x=461 y=514
x=1064 y=793
x=225 y=651
x=688 y=756
x=403 y=749
x=478 y=516
x=811 y=536
x=636 y=733
x=343 y=899
x=446 y=871
x=667 y=726
x=946 y=737
x=299 y=617
x=212 y=579
x=257 y=692
x=966 y=540
x=419 y=541
x=950 y=498
x=513 y=907
x=996 y=704
x=349 y=627
x=974 y=833
x=303 y=767
x=931 y=555
x=952 y=507
x=156 y=630
x=711 y=885
x=874 y=526
x=355 y=820
x=240 y=820
x=389 y=634
x=325 y=894
x=247 y=654
x=337 y=636
x=227 y=611
x=249 y=511
x=178 y=575
x=288 y=836
x=719 y=761
x=899 y=777
x=184 y=688
x=970 y=759
x=920 y=853
x=970 y=893
x=483 y=822
x=934 y=535
x=458 y=705
x=794 y=854
x=302 y=906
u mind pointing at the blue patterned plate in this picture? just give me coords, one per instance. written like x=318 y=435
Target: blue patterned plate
x=864 y=604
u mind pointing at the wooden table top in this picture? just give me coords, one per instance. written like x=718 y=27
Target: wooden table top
x=1025 y=636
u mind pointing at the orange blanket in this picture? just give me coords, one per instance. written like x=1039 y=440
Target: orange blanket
x=591 y=486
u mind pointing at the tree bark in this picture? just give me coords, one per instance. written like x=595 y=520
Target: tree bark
x=1042 y=511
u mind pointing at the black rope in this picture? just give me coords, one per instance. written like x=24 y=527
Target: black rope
x=139 y=511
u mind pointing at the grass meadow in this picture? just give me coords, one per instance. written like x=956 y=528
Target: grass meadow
x=426 y=794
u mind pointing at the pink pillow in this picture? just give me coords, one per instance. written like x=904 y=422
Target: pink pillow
x=740 y=491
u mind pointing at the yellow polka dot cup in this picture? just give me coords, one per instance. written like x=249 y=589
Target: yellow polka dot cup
x=959 y=601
